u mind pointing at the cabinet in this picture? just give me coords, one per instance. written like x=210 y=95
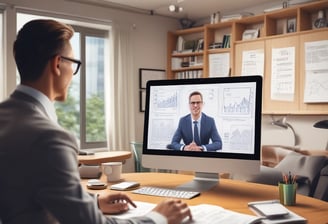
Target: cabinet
x=286 y=28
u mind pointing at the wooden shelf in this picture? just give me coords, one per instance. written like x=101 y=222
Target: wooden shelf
x=273 y=34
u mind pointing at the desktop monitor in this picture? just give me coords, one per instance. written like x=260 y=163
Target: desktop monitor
x=233 y=105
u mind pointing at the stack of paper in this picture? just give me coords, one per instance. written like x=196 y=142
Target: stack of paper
x=202 y=214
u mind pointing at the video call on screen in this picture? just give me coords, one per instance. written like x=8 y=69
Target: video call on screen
x=232 y=105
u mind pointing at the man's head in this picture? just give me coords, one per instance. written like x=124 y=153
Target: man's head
x=43 y=51
x=195 y=104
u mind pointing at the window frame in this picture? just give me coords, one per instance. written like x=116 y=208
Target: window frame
x=85 y=32
x=95 y=28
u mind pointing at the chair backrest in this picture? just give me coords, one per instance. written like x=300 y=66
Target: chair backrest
x=137 y=152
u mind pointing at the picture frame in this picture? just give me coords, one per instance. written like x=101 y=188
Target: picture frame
x=142 y=100
x=250 y=34
x=146 y=74
x=291 y=25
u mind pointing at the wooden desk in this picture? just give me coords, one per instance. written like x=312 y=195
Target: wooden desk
x=229 y=194
x=103 y=157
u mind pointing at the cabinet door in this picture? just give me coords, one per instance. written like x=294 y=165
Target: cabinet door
x=316 y=82
x=281 y=87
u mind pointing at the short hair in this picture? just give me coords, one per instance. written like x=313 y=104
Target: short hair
x=196 y=93
x=36 y=43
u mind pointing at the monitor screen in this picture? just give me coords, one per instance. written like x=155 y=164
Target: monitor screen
x=207 y=125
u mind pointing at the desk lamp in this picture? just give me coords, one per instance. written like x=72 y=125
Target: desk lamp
x=322 y=124
x=282 y=122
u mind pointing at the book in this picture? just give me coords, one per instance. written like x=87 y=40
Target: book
x=273 y=212
x=236 y=16
x=202 y=213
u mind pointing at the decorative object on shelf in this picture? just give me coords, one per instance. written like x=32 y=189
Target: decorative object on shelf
x=282 y=122
x=186 y=23
x=240 y=15
x=322 y=124
x=291 y=25
x=321 y=21
x=250 y=34
x=215 y=17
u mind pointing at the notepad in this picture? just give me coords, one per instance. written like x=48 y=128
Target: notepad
x=269 y=209
x=123 y=186
x=275 y=213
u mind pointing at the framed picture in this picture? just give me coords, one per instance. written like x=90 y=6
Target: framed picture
x=251 y=34
x=142 y=100
x=146 y=74
x=291 y=25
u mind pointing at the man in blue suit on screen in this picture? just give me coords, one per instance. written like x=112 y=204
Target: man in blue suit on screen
x=196 y=129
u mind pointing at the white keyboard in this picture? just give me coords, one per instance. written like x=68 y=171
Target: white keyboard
x=165 y=192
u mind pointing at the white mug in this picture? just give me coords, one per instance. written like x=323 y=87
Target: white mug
x=112 y=170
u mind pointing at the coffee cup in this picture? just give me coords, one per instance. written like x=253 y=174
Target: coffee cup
x=112 y=171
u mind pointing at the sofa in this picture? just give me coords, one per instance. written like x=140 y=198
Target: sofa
x=310 y=168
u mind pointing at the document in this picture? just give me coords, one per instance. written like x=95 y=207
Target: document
x=253 y=62
x=202 y=214
x=219 y=65
x=283 y=74
x=316 y=72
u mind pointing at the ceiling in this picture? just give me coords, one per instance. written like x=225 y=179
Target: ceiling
x=192 y=9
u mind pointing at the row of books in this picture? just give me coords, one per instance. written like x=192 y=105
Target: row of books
x=178 y=62
x=192 y=74
x=224 y=44
x=185 y=46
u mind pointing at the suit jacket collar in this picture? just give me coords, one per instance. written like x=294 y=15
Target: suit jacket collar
x=18 y=95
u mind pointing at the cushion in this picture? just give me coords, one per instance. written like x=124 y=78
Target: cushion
x=302 y=165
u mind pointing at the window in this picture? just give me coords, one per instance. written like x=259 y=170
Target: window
x=83 y=112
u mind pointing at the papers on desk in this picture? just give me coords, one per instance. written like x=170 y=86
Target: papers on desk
x=275 y=213
x=202 y=214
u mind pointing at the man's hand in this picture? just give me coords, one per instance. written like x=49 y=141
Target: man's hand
x=174 y=210
x=114 y=203
x=192 y=147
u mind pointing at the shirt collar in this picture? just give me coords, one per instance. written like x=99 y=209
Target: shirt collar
x=43 y=99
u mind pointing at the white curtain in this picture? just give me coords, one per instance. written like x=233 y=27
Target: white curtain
x=119 y=88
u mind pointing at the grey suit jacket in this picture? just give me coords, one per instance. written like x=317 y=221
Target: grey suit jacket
x=39 y=178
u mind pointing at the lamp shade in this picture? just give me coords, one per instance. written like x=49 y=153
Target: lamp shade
x=321 y=124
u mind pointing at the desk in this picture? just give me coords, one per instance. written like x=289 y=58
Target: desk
x=103 y=157
x=229 y=194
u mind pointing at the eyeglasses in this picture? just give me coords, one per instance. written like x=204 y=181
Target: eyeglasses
x=196 y=102
x=75 y=65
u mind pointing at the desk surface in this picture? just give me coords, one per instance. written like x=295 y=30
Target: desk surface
x=229 y=194
x=103 y=157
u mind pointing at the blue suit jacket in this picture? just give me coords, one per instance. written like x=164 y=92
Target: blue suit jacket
x=207 y=131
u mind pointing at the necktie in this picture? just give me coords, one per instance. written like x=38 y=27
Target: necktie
x=196 y=135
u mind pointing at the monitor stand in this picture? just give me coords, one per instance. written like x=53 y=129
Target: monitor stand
x=201 y=182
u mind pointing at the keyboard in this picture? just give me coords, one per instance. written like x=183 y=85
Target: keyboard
x=165 y=192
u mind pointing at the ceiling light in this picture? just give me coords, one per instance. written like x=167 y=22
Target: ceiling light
x=175 y=8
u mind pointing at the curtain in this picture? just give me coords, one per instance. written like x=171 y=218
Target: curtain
x=119 y=88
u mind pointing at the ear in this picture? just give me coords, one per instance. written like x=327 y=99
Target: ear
x=55 y=65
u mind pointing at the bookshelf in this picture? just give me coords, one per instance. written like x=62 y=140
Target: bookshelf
x=290 y=27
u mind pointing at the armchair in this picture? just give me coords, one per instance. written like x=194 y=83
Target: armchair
x=311 y=168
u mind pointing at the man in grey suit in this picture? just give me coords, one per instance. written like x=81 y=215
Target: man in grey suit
x=196 y=129
x=39 y=178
